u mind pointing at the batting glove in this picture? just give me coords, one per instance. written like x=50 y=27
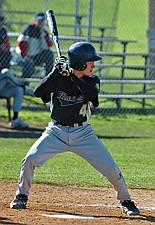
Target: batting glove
x=62 y=66
x=60 y=60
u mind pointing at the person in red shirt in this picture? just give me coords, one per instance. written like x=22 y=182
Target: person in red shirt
x=5 y=54
x=34 y=45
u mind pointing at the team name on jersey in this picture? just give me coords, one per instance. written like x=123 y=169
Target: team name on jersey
x=67 y=100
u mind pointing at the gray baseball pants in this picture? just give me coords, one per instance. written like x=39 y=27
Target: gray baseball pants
x=80 y=140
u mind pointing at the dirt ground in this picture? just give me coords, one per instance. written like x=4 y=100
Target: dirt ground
x=86 y=205
x=55 y=205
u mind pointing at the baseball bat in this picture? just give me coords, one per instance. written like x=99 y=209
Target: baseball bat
x=53 y=29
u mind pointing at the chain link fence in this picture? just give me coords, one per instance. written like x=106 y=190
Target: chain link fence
x=117 y=29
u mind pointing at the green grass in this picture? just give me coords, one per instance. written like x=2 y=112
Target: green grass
x=129 y=138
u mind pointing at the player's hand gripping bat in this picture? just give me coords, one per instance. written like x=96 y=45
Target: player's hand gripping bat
x=61 y=60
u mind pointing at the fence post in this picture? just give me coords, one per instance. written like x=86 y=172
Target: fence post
x=151 y=37
x=90 y=15
x=76 y=25
x=124 y=43
x=145 y=75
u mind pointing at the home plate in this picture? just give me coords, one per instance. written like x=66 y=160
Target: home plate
x=69 y=216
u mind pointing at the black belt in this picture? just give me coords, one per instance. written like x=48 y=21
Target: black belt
x=72 y=125
x=76 y=124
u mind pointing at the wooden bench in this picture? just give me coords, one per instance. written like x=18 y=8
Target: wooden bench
x=94 y=39
x=122 y=66
x=148 y=84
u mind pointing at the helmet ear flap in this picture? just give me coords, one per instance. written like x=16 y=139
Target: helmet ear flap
x=80 y=66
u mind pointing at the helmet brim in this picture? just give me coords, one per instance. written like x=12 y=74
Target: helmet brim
x=94 y=58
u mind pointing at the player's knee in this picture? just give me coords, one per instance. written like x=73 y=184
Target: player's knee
x=5 y=71
x=28 y=161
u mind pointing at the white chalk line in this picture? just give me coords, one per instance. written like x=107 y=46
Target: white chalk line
x=71 y=216
x=109 y=206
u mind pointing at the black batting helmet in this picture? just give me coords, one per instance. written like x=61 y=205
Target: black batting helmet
x=81 y=52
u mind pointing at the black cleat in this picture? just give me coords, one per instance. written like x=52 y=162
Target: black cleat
x=19 y=202
x=129 y=208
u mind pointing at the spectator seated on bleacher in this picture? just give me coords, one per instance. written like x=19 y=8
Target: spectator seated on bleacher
x=11 y=86
x=34 y=47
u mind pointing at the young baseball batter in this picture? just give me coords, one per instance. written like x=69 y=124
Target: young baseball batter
x=71 y=98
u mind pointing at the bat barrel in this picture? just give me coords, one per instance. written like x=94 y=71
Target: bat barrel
x=53 y=29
